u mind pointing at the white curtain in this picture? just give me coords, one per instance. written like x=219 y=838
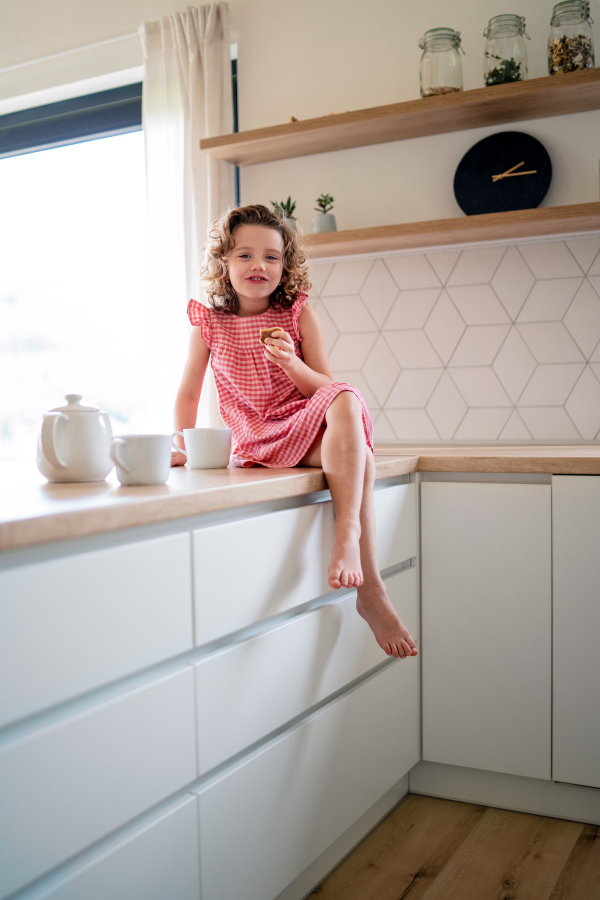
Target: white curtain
x=186 y=96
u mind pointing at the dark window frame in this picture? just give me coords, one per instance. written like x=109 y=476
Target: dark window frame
x=103 y=114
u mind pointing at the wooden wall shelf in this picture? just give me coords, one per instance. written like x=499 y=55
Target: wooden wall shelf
x=538 y=98
x=549 y=220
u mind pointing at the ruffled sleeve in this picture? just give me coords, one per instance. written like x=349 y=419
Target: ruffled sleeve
x=199 y=315
x=299 y=302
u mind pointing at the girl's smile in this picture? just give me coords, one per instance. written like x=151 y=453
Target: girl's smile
x=255 y=267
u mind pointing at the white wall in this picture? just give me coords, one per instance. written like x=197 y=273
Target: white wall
x=308 y=58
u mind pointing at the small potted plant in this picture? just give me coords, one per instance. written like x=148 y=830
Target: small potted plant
x=285 y=210
x=324 y=220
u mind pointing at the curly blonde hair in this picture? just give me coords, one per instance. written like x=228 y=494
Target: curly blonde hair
x=220 y=243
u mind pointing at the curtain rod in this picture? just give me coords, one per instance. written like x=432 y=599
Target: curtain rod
x=31 y=62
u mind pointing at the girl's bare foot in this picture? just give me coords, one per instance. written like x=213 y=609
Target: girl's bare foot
x=345 y=569
x=375 y=607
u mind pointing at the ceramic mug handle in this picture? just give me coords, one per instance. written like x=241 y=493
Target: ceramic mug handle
x=175 y=446
x=49 y=424
x=115 y=446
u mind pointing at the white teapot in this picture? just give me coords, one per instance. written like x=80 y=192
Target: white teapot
x=74 y=443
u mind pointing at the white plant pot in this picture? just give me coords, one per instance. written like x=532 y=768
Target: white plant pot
x=291 y=223
x=323 y=222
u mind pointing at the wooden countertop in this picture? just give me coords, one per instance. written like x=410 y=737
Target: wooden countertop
x=33 y=511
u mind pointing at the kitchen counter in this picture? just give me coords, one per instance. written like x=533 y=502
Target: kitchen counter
x=33 y=511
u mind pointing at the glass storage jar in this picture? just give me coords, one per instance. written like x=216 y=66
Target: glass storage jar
x=441 y=67
x=570 y=45
x=505 y=56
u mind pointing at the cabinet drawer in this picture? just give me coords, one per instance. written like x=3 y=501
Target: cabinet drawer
x=280 y=560
x=70 y=625
x=396 y=515
x=263 y=823
x=248 y=570
x=250 y=689
x=155 y=863
x=66 y=786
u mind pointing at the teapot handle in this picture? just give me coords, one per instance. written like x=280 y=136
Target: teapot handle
x=49 y=425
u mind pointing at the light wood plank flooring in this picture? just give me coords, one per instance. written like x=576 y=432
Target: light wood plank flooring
x=430 y=849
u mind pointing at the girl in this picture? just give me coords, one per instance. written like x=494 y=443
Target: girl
x=280 y=399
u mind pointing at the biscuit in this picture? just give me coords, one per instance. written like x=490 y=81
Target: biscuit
x=267 y=332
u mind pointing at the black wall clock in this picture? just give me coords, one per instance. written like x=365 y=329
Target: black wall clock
x=508 y=170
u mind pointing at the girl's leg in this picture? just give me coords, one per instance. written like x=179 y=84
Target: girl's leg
x=350 y=471
x=373 y=603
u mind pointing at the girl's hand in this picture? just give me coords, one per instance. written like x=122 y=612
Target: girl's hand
x=177 y=459
x=279 y=349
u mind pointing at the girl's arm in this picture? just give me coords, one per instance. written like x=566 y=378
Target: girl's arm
x=315 y=371
x=188 y=395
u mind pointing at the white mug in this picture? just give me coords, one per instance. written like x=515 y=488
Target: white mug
x=206 y=448
x=142 y=458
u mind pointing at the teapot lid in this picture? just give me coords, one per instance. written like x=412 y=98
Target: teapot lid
x=73 y=405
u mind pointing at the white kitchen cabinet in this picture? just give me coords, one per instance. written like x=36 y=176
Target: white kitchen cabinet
x=264 y=822
x=158 y=862
x=70 y=783
x=576 y=629
x=486 y=620
x=250 y=689
x=249 y=570
x=72 y=624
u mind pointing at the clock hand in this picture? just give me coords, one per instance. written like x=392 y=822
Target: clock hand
x=530 y=172
x=508 y=172
x=512 y=174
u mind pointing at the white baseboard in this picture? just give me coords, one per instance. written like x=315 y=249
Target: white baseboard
x=529 y=795
x=306 y=882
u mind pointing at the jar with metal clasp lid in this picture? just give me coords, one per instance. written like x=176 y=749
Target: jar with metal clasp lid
x=571 y=43
x=505 y=56
x=441 y=66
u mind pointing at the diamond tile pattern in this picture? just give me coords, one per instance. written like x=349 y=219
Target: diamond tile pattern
x=497 y=355
x=379 y=292
x=583 y=318
x=513 y=281
x=445 y=327
x=349 y=314
x=381 y=370
x=478 y=305
x=443 y=263
x=446 y=407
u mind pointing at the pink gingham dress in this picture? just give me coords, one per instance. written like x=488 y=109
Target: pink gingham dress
x=273 y=424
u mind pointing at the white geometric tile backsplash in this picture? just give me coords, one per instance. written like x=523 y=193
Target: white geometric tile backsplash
x=490 y=344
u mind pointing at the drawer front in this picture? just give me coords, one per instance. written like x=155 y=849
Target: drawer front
x=281 y=559
x=248 y=570
x=67 y=786
x=265 y=822
x=396 y=515
x=158 y=862
x=250 y=689
x=70 y=625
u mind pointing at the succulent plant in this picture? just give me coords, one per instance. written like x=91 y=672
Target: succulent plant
x=285 y=208
x=324 y=203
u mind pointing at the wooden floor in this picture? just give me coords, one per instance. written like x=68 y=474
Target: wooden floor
x=442 y=850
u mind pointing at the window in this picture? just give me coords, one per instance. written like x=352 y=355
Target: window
x=73 y=269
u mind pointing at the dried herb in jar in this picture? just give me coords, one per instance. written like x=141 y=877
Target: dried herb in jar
x=506 y=71
x=568 y=54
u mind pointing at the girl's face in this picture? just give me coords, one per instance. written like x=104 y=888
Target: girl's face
x=255 y=266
